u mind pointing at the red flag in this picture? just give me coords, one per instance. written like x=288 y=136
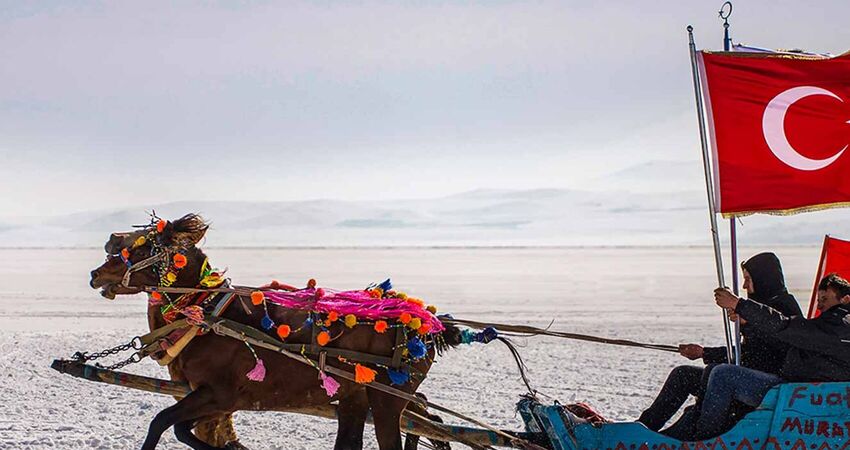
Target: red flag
x=779 y=131
x=835 y=257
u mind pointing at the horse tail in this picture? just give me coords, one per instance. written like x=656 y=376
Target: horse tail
x=449 y=338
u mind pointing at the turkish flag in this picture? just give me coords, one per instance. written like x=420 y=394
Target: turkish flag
x=834 y=258
x=778 y=126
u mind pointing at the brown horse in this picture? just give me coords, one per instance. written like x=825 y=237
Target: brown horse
x=216 y=366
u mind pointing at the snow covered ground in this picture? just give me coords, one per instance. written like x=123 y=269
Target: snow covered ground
x=658 y=295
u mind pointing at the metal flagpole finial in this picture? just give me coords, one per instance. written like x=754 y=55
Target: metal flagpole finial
x=725 y=12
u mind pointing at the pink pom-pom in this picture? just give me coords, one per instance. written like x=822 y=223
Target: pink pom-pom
x=331 y=386
x=258 y=373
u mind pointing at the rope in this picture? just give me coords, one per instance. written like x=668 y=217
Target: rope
x=534 y=331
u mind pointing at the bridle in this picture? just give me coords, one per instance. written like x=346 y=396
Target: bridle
x=143 y=264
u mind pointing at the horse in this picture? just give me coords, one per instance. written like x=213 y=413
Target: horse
x=216 y=366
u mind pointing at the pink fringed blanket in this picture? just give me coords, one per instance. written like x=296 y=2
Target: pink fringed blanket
x=359 y=303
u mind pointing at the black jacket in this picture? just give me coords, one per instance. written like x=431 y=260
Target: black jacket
x=820 y=347
x=759 y=350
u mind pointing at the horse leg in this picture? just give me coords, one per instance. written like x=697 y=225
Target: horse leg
x=386 y=413
x=199 y=403
x=183 y=431
x=351 y=417
x=217 y=430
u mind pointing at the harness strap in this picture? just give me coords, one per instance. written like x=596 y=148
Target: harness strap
x=223 y=327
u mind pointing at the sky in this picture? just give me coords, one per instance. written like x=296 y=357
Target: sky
x=120 y=103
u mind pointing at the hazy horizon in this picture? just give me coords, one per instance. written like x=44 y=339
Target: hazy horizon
x=122 y=103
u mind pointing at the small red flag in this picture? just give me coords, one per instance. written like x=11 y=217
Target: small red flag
x=834 y=258
x=779 y=131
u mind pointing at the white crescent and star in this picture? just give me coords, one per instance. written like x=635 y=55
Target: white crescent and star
x=773 y=126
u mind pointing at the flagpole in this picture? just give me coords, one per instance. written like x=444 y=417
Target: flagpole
x=818 y=276
x=712 y=214
x=733 y=233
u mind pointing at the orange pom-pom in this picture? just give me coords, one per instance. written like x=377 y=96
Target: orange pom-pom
x=311 y=283
x=405 y=318
x=180 y=260
x=381 y=326
x=125 y=253
x=363 y=374
x=323 y=338
x=333 y=316
x=283 y=331
x=257 y=297
x=416 y=301
x=424 y=328
x=156 y=295
x=160 y=226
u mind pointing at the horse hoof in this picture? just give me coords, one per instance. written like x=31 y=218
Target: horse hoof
x=234 y=445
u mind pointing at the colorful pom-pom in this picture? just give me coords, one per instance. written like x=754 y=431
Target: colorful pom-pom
x=320 y=293
x=258 y=373
x=330 y=385
x=350 y=320
x=267 y=322
x=156 y=295
x=416 y=302
x=125 y=253
x=283 y=331
x=180 y=260
x=160 y=226
x=376 y=293
x=333 y=316
x=363 y=374
x=416 y=349
x=398 y=377
x=431 y=309
x=257 y=297
x=323 y=338
x=415 y=323
x=405 y=318
x=140 y=241
x=401 y=295
x=424 y=328
x=171 y=277
x=311 y=283
x=381 y=326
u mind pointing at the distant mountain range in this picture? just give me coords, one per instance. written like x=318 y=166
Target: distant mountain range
x=657 y=203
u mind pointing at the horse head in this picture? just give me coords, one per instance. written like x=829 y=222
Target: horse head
x=163 y=253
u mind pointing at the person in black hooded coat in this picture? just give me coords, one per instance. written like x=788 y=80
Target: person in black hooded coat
x=765 y=284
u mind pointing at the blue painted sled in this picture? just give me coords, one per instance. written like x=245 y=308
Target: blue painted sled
x=792 y=416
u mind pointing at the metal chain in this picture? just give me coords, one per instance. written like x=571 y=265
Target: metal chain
x=135 y=344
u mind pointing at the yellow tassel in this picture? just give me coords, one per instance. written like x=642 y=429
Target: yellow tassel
x=350 y=320
x=363 y=374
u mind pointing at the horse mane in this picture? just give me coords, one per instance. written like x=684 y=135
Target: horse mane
x=189 y=229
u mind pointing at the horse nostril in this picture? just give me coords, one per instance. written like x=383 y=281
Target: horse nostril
x=94 y=275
